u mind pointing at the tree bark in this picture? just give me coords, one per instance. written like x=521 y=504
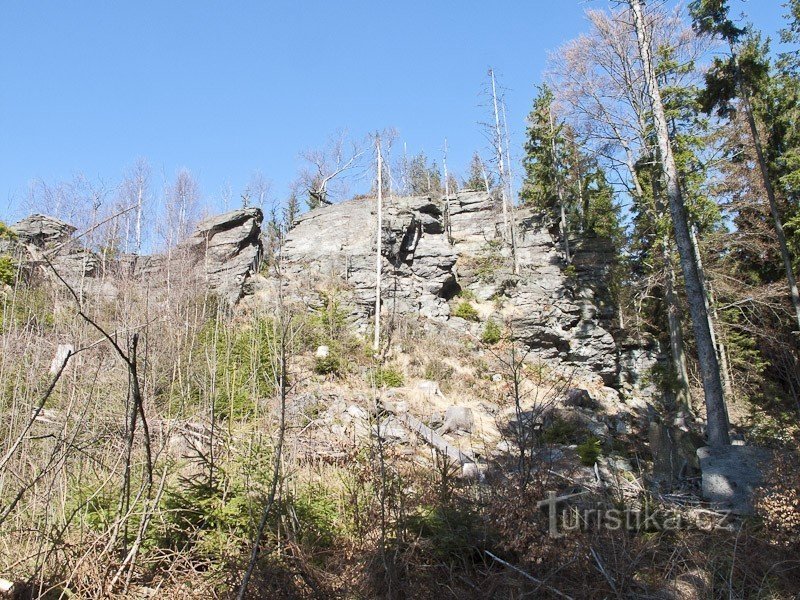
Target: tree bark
x=716 y=414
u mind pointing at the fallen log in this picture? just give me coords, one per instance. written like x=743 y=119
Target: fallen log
x=433 y=438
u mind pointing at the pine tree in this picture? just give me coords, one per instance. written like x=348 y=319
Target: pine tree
x=480 y=177
x=541 y=161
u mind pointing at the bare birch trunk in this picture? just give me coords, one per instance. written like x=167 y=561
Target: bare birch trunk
x=377 y=342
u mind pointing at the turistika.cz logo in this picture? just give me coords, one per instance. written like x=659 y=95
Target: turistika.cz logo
x=564 y=518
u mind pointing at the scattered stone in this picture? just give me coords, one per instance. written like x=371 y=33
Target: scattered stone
x=390 y=429
x=357 y=412
x=457 y=418
x=430 y=388
x=322 y=352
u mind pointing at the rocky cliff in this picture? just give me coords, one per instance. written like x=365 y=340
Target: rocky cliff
x=433 y=252
x=436 y=255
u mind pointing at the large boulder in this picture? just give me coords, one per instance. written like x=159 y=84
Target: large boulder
x=42 y=231
x=228 y=248
x=731 y=474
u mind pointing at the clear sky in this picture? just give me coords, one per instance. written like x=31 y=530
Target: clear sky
x=228 y=88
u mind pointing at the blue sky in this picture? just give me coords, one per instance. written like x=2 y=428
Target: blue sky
x=226 y=89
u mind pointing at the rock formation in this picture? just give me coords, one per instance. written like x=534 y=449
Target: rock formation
x=427 y=261
x=224 y=253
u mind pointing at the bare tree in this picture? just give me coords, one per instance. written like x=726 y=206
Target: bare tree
x=499 y=143
x=135 y=191
x=182 y=204
x=257 y=191
x=326 y=166
x=378 y=245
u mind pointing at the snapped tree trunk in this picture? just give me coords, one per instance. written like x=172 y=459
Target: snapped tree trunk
x=716 y=414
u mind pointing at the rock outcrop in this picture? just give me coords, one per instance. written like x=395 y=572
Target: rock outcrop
x=223 y=253
x=228 y=247
x=340 y=241
x=432 y=251
x=42 y=231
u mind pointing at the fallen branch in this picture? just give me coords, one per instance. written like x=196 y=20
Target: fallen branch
x=433 y=438
x=538 y=582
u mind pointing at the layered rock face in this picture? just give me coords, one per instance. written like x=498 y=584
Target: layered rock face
x=229 y=249
x=340 y=241
x=431 y=251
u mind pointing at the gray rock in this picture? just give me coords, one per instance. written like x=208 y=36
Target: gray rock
x=42 y=231
x=580 y=398
x=430 y=388
x=731 y=474
x=228 y=248
x=62 y=353
x=457 y=418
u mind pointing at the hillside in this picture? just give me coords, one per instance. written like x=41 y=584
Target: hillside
x=163 y=412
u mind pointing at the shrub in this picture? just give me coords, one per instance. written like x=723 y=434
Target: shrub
x=562 y=431
x=326 y=324
x=8 y=271
x=386 y=377
x=589 y=451
x=437 y=370
x=241 y=367
x=328 y=365
x=466 y=311
x=466 y=294
x=491 y=333
x=453 y=533
x=6 y=233
x=317 y=513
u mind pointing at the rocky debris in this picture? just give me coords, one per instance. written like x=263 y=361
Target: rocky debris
x=390 y=429
x=229 y=248
x=42 y=231
x=731 y=474
x=457 y=418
